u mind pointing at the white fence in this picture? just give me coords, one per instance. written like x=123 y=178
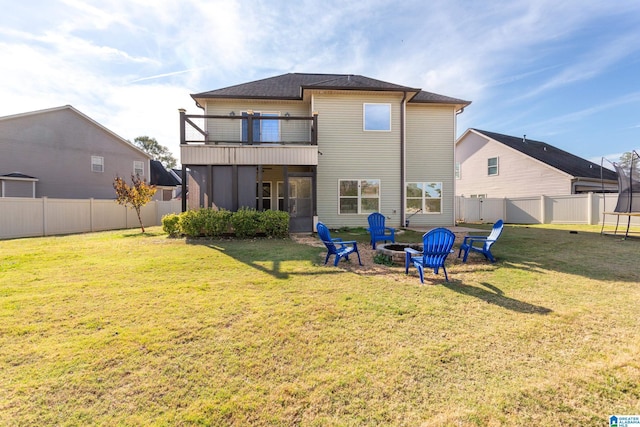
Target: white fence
x=571 y=209
x=25 y=217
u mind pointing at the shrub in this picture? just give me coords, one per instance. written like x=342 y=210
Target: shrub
x=274 y=223
x=216 y=223
x=192 y=222
x=383 y=259
x=245 y=222
x=171 y=224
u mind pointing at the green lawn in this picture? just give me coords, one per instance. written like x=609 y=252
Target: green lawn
x=120 y=328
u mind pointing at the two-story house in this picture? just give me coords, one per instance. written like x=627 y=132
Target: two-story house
x=62 y=153
x=490 y=164
x=328 y=147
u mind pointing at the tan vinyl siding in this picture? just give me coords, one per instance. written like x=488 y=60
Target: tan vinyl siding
x=349 y=152
x=231 y=130
x=429 y=156
x=518 y=174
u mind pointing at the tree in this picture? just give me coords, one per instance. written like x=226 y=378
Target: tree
x=629 y=159
x=135 y=196
x=156 y=151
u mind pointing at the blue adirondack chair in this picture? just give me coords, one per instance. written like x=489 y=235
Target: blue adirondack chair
x=481 y=244
x=436 y=247
x=337 y=247
x=378 y=231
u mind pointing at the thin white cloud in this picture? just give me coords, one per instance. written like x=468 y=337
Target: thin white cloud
x=163 y=75
x=581 y=115
x=593 y=64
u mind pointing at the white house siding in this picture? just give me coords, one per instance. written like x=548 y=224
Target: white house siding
x=231 y=130
x=348 y=152
x=429 y=156
x=518 y=174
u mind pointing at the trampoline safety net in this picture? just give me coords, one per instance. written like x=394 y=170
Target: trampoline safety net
x=629 y=185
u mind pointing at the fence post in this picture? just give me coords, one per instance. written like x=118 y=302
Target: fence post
x=44 y=215
x=504 y=210
x=590 y=208
x=91 y=211
x=543 y=210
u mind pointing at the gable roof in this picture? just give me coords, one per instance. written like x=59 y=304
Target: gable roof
x=161 y=176
x=552 y=156
x=291 y=86
x=19 y=176
x=84 y=116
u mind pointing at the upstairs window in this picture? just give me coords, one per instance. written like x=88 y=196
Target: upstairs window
x=457 y=170
x=377 y=117
x=97 y=164
x=358 y=196
x=263 y=130
x=138 y=168
x=492 y=166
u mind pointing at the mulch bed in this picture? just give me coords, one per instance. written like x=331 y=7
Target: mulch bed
x=395 y=272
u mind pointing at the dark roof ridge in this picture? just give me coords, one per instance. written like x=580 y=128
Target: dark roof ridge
x=290 y=86
x=551 y=155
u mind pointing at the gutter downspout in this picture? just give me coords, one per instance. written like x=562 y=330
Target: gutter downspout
x=456 y=200
x=403 y=171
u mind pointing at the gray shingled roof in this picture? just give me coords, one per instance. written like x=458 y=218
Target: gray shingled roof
x=552 y=156
x=162 y=177
x=292 y=85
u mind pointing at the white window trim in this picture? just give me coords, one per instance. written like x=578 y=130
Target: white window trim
x=359 y=196
x=97 y=161
x=424 y=199
x=497 y=166
x=457 y=170
x=364 y=117
x=278 y=195
x=270 y=198
x=141 y=163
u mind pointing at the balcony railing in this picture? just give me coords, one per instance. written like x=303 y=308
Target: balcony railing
x=248 y=129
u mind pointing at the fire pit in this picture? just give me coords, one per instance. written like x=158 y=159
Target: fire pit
x=396 y=250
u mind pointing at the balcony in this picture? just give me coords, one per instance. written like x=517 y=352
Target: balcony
x=248 y=139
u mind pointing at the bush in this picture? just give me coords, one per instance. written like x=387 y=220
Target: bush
x=192 y=222
x=383 y=259
x=171 y=224
x=274 y=223
x=245 y=222
x=216 y=223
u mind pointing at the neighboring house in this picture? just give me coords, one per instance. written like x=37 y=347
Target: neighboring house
x=490 y=164
x=166 y=181
x=62 y=153
x=328 y=147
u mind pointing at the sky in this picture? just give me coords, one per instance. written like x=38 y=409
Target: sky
x=563 y=72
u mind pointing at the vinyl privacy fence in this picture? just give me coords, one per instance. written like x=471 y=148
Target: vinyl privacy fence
x=26 y=217
x=571 y=209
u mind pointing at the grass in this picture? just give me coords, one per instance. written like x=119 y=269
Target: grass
x=120 y=328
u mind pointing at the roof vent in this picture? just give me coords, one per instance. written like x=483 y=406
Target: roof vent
x=545 y=148
x=524 y=139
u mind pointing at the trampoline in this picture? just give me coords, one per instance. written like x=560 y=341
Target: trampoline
x=628 y=194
